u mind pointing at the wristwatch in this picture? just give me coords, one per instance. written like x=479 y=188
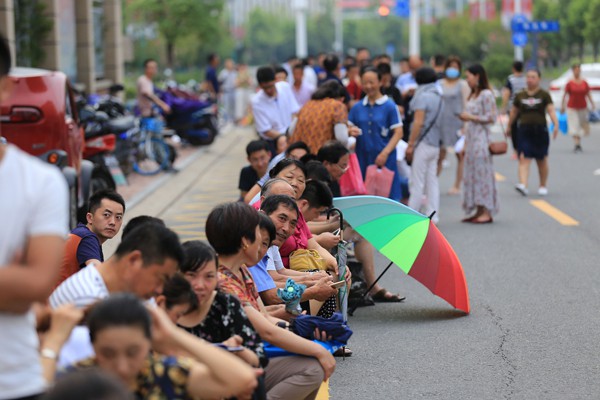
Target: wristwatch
x=283 y=325
x=48 y=353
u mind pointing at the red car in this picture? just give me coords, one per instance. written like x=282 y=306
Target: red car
x=41 y=118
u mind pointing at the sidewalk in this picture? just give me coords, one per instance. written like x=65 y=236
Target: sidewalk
x=207 y=178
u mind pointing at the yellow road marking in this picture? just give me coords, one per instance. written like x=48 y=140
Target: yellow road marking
x=554 y=212
x=323 y=391
x=500 y=177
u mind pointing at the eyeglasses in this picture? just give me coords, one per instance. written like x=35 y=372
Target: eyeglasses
x=343 y=169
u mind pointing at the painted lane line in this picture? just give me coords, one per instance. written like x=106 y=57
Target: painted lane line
x=323 y=391
x=554 y=212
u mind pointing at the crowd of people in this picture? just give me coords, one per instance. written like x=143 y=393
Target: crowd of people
x=162 y=319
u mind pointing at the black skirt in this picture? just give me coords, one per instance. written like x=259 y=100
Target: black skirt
x=534 y=141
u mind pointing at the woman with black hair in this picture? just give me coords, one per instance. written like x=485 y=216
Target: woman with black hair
x=129 y=340
x=378 y=119
x=480 y=192
x=233 y=231
x=324 y=118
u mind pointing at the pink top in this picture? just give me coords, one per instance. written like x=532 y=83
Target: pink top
x=298 y=240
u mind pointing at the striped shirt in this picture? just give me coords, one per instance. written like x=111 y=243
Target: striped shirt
x=82 y=289
x=515 y=84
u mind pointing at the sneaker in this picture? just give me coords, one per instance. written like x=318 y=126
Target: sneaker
x=542 y=191
x=578 y=148
x=521 y=189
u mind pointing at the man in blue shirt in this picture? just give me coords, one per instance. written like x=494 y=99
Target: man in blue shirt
x=84 y=245
x=210 y=77
x=332 y=67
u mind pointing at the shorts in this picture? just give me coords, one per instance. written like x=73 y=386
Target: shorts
x=577 y=120
x=534 y=141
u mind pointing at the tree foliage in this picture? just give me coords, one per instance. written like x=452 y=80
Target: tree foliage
x=32 y=26
x=180 y=19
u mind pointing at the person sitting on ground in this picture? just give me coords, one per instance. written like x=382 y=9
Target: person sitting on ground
x=138 y=221
x=88 y=385
x=294 y=173
x=279 y=214
x=295 y=151
x=259 y=154
x=335 y=157
x=232 y=230
x=135 y=343
x=177 y=298
x=84 y=245
x=146 y=258
x=285 y=226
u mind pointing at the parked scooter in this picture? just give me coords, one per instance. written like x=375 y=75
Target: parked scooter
x=193 y=119
x=100 y=143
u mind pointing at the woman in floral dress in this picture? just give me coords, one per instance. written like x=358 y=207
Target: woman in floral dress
x=480 y=193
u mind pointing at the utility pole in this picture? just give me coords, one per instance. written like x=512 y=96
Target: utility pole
x=300 y=7
x=338 y=44
x=518 y=49
x=414 y=35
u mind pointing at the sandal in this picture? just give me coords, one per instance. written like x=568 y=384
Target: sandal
x=383 y=296
x=343 y=352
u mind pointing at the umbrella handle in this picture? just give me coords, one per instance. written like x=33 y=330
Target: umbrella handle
x=354 y=307
x=333 y=209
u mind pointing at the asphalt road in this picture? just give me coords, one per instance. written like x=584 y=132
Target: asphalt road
x=533 y=284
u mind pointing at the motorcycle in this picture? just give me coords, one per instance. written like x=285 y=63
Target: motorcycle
x=193 y=119
x=100 y=144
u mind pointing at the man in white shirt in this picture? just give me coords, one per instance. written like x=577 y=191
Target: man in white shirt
x=274 y=106
x=302 y=90
x=34 y=204
x=146 y=258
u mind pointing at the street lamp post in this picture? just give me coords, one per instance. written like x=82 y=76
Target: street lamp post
x=414 y=39
x=338 y=45
x=300 y=7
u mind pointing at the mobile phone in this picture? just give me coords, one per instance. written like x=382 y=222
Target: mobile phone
x=338 y=284
x=229 y=348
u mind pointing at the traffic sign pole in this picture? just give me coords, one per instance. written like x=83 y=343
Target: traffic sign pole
x=414 y=40
x=518 y=49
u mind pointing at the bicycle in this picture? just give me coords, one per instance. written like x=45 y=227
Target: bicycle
x=151 y=153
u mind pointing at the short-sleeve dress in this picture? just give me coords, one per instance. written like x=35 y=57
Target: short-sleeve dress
x=377 y=122
x=479 y=179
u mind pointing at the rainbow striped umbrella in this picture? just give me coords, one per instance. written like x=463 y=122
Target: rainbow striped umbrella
x=411 y=241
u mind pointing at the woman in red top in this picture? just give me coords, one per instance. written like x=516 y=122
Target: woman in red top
x=577 y=90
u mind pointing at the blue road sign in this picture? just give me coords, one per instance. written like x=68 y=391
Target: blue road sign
x=520 y=23
x=517 y=21
x=402 y=8
x=519 y=39
x=536 y=26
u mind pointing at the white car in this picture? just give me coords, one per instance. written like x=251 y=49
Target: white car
x=589 y=72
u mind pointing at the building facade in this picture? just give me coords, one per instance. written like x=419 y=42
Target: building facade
x=85 y=41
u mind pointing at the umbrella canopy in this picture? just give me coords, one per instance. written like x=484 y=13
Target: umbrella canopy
x=412 y=242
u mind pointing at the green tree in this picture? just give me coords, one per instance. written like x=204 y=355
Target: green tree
x=269 y=38
x=32 y=25
x=591 y=30
x=177 y=19
x=574 y=21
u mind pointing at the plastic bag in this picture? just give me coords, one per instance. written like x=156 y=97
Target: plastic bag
x=379 y=181
x=351 y=183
